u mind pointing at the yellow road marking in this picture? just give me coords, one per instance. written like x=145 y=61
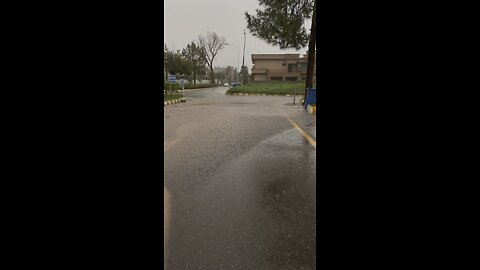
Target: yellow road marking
x=309 y=139
x=169 y=144
x=166 y=220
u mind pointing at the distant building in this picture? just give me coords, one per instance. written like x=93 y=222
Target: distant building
x=280 y=67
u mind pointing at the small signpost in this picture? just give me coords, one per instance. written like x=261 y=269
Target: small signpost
x=182 y=85
x=171 y=79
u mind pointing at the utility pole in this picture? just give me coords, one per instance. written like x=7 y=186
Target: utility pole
x=311 y=53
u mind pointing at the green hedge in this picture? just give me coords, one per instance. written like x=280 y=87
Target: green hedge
x=270 y=88
x=171 y=86
x=191 y=86
x=167 y=87
x=171 y=97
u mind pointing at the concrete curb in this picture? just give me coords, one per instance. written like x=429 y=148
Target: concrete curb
x=171 y=102
x=246 y=94
x=180 y=91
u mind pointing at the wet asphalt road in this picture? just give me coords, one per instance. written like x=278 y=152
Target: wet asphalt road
x=241 y=182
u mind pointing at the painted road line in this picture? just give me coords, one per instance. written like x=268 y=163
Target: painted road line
x=309 y=139
x=166 y=222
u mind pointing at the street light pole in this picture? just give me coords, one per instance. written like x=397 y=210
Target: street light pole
x=244 y=41
x=238 y=58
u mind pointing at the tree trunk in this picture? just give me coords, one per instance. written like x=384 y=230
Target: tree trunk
x=211 y=76
x=194 y=74
x=311 y=52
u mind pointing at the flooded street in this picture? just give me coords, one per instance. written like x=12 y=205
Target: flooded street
x=241 y=180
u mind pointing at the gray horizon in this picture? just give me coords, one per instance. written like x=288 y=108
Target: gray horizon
x=185 y=20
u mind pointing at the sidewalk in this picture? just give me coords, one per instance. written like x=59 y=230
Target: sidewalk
x=305 y=120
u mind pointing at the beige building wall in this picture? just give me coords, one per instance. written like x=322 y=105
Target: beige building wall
x=269 y=64
x=260 y=77
x=266 y=66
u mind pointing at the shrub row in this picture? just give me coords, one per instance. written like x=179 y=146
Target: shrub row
x=167 y=87
x=171 y=97
x=270 y=88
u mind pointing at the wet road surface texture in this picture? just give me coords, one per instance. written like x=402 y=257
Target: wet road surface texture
x=241 y=182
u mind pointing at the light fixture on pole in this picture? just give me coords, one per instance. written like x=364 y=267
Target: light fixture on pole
x=238 y=54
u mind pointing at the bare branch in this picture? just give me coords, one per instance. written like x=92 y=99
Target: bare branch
x=212 y=45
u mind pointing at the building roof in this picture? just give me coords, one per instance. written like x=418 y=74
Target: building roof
x=272 y=56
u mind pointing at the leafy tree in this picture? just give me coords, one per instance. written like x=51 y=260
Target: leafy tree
x=244 y=73
x=195 y=56
x=169 y=58
x=175 y=63
x=226 y=74
x=230 y=74
x=281 y=24
x=221 y=77
x=183 y=64
x=212 y=44
x=235 y=74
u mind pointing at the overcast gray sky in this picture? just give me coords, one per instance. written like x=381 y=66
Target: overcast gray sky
x=185 y=20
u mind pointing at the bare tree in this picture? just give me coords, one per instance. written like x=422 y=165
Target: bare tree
x=212 y=45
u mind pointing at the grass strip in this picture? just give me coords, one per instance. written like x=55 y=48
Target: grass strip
x=171 y=97
x=270 y=88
